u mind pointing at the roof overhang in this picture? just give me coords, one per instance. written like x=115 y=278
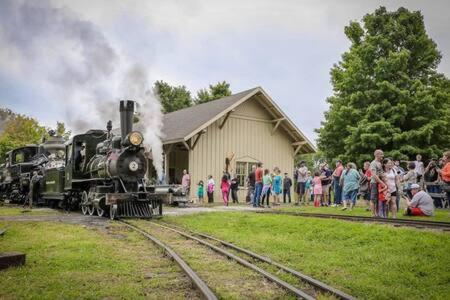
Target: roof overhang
x=300 y=142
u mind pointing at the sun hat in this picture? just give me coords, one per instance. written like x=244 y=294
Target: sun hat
x=415 y=186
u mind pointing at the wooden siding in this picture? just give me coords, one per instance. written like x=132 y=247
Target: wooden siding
x=248 y=134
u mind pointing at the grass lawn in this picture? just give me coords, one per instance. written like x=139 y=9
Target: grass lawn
x=369 y=261
x=442 y=215
x=19 y=211
x=76 y=262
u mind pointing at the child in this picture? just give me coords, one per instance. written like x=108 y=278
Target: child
x=234 y=186
x=200 y=191
x=211 y=184
x=409 y=178
x=317 y=183
x=267 y=184
x=225 y=187
x=276 y=186
x=383 y=195
x=308 y=188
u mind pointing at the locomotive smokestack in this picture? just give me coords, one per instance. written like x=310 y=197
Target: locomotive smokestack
x=126 y=117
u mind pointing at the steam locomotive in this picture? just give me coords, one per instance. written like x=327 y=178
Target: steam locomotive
x=96 y=171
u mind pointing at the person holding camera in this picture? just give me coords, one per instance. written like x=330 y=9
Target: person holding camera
x=431 y=176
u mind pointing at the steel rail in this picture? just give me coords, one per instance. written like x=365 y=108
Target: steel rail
x=198 y=282
x=243 y=262
x=401 y=222
x=314 y=282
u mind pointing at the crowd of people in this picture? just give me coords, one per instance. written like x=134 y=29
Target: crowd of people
x=381 y=183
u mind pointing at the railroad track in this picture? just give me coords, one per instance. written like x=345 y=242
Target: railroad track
x=315 y=284
x=396 y=222
x=206 y=292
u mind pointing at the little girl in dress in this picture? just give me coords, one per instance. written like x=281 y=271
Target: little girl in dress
x=317 y=183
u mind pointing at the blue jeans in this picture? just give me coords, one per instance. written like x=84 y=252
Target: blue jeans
x=337 y=190
x=258 y=190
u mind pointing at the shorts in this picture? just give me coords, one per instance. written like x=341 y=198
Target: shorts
x=414 y=211
x=326 y=189
x=301 y=188
x=350 y=196
x=374 y=192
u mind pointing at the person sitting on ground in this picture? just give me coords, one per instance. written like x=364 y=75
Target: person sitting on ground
x=409 y=179
x=350 y=185
x=421 y=203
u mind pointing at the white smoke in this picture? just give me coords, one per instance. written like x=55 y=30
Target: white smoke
x=150 y=113
x=77 y=64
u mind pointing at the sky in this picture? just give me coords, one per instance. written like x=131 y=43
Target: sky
x=67 y=60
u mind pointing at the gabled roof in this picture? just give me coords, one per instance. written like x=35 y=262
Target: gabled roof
x=183 y=124
x=180 y=124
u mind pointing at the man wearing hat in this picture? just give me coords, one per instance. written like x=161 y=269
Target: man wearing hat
x=421 y=203
x=287 y=183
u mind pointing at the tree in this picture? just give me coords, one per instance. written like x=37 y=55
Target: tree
x=217 y=91
x=172 y=97
x=61 y=130
x=19 y=131
x=386 y=92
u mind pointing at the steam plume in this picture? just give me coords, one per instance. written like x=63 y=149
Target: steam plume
x=76 y=63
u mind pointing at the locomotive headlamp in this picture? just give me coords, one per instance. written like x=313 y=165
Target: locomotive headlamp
x=135 y=138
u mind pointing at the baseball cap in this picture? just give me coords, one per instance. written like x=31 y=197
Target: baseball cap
x=415 y=186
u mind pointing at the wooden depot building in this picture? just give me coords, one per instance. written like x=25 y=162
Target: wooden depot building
x=244 y=128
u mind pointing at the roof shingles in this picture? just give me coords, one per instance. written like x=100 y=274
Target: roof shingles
x=180 y=123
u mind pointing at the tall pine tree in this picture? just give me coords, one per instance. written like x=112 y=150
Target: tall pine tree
x=387 y=92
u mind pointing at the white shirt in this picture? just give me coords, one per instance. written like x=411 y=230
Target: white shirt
x=420 y=169
x=391 y=183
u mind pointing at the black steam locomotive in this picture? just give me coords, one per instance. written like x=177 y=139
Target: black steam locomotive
x=97 y=171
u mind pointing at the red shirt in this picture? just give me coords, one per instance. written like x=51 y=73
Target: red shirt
x=338 y=171
x=258 y=175
x=381 y=195
x=368 y=173
x=445 y=173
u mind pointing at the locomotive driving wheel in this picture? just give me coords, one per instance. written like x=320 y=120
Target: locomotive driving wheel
x=84 y=203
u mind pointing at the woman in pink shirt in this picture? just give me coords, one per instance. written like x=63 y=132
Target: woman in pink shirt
x=225 y=187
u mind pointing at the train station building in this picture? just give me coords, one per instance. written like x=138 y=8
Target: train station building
x=243 y=129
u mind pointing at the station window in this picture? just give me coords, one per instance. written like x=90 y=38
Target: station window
x=243 y=169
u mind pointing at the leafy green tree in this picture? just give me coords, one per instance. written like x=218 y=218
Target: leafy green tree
x=62 y=131
x=217 y=91
x=387 y=92
x=172 y=97
x=19 y=131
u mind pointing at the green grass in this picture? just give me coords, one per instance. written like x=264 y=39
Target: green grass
x=369 y=261
x=442 y=215
x=19 y=211
x=76 y=262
